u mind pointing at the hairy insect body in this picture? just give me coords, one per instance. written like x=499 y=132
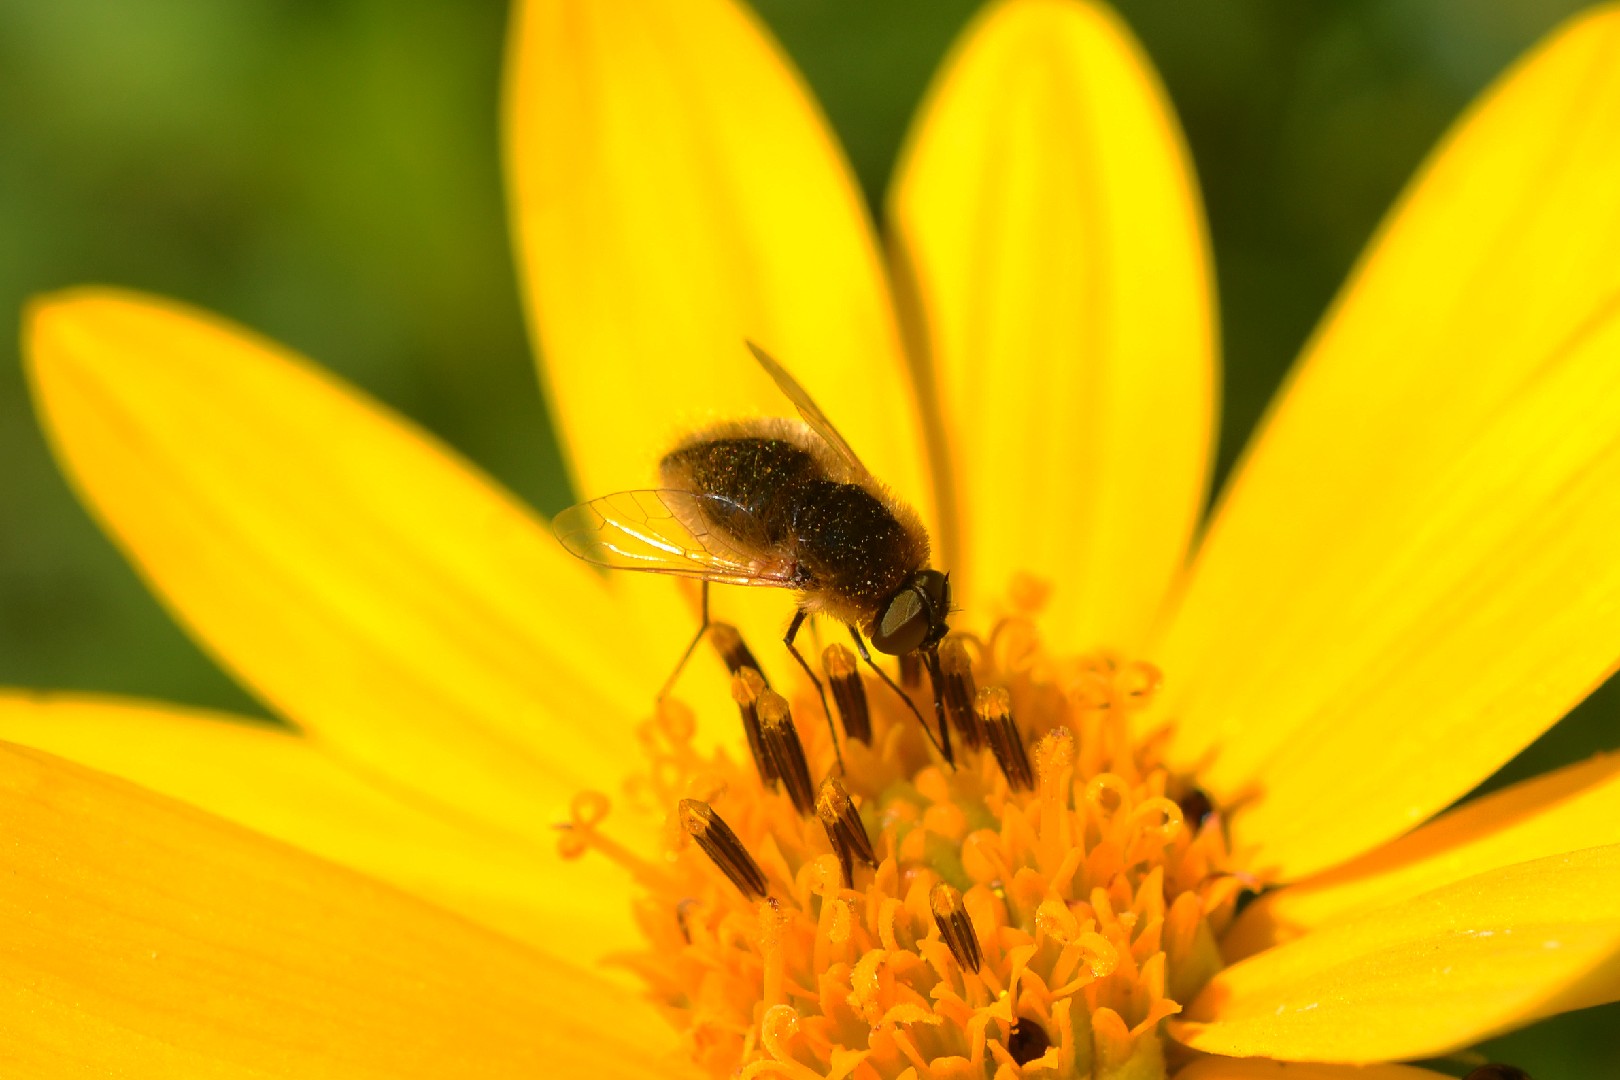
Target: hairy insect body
x=785 y=504
x=780 y=497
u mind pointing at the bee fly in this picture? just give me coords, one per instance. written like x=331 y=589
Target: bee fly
x=786 y=504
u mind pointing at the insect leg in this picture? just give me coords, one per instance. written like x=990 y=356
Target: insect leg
x=944 y=748
x=930 y=657
x=793 y=632
x=703 y=628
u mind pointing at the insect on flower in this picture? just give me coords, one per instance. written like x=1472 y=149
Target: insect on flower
x=777 y=502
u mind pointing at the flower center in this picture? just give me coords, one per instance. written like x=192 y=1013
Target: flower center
x=1045 y=901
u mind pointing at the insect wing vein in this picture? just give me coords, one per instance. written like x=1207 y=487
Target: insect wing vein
x=664 y=532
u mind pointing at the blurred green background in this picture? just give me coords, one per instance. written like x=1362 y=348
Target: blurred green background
x=327 y=173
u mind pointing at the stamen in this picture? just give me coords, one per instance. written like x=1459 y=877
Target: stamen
x=781 y=742
x=746 y=686
x=845 y=831
x=848 y=691
x=1028 y=1040
x=1092 y=913
x=722 y=847
x=994 y=708
x=772 y=922
x=728 y=642
x=1053 y=754
x=581 y=834
x=1497 y=1072
x=959 y=691
x=910 y=670
x=955 y=926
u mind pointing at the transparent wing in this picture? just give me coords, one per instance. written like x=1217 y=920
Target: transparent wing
x=808 y=409
x=671 y=532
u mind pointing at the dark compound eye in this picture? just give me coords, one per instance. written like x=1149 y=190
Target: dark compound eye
x=902 y=626
x=1029 y=1041
x=913 y=617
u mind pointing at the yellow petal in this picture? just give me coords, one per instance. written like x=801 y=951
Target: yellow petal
x=1422 y=978
x=676 y=191
x=280 y=784
x=141 y=938
x=365 y=583
x=1414 y=573
x=1216 y=1068
x=1575 y=807
x=1049 y=213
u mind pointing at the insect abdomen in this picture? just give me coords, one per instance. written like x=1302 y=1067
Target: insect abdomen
x=759 y=475
x=846 y=545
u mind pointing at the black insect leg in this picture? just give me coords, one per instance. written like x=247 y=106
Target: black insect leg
x=703 y=628
x=930 y=657
x=793 y=632
x=944 y=747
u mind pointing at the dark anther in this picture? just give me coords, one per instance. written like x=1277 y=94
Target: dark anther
x=955 y=926
x=1195 y=807
x=728 y=642
x=722 y=847
x=910 y=670
x=746 y=686
x=994 y=708
x=959 y=691
x=1028 y=1041
x=1497 y=1072
x=845 y=831
x=781 y=742
x=848 y=692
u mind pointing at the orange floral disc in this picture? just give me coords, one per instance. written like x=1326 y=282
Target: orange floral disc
x=1043 y=903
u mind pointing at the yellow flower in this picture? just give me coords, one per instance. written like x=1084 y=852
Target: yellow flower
x=1411 y=576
